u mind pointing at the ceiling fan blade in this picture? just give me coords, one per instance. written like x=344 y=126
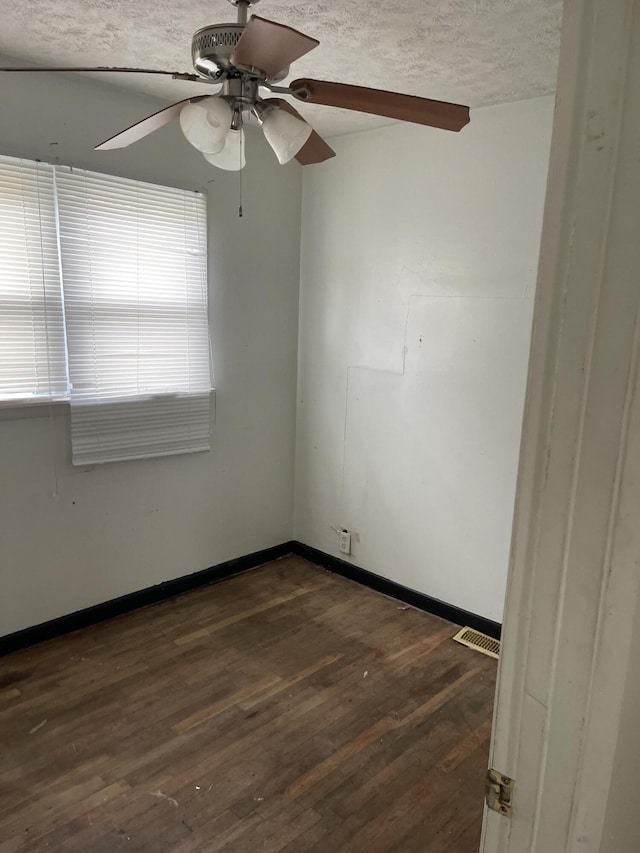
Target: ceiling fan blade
x=143 y=128
x=177 y=75
x=315 y=149
x=269 y=46
x=377 y=102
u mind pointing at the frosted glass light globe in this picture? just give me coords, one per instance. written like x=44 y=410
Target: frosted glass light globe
x=285 y=133
x=206 y=123
x=231 y=157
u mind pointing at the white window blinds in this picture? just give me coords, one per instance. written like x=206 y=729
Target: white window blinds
x=32 y=344
x=133 y=261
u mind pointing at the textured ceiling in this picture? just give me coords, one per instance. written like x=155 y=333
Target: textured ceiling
x=474 y=52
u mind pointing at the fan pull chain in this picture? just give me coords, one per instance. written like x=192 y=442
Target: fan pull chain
x=240 y=174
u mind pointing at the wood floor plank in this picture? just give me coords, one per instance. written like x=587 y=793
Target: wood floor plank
x=207 y=713
x=284 y=710
x=243 y=615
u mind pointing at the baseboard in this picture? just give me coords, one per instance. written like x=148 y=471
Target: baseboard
x=215 y=574
x=396 y=590
x=141 y=598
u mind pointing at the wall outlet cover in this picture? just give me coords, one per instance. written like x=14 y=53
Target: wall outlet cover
x=345 y=542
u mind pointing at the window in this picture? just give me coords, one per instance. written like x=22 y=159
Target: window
x=116 y=269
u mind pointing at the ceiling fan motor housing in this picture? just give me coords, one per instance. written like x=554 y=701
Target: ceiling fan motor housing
x=212 y=48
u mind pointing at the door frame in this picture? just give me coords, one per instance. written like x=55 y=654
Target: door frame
x=572 y=595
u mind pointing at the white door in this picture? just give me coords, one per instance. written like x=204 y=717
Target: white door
x=573 y=592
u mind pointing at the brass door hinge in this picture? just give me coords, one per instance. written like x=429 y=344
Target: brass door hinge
x=498 y=792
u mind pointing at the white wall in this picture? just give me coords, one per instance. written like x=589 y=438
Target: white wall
x=114 y=529
x=418 y=266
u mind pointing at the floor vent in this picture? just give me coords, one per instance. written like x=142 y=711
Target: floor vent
x=480 y=642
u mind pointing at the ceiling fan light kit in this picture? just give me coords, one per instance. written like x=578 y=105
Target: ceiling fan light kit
x=245 y=57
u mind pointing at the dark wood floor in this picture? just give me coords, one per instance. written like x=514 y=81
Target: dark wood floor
x=286 y=709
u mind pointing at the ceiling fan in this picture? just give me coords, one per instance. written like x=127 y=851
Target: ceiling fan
x=250 y=55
